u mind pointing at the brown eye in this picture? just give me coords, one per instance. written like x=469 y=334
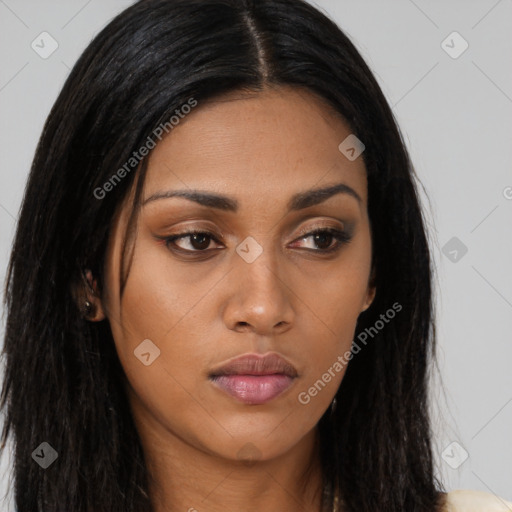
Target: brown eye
x=199 y=241
x=323 y=239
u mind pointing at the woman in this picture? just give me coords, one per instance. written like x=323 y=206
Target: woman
x=220 y=295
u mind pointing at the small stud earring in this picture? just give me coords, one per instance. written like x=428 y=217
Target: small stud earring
x=333 y=405
x=87 y=308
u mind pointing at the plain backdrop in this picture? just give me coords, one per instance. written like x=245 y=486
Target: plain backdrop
x=444 y=67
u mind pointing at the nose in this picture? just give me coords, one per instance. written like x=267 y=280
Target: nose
x=260 y=298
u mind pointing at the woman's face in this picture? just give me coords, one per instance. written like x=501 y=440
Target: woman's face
x=258 y=284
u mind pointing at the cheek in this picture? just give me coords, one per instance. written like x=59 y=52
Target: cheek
x=160 y=293
x=327 y=354
x=160 y=304
x=161 y=337
x=333 y=312
x=336 y=293
x=170 y=392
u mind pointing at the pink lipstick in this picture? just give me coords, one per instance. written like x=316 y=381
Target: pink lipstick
x=254 y=379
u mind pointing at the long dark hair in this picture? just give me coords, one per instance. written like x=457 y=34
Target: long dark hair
x=63 y=379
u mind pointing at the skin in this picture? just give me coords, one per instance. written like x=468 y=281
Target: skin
x=201 y=311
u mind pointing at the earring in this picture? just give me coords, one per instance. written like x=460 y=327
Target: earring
x=88 y=308
x=333 y=405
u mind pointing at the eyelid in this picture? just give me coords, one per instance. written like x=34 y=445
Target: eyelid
x=320 y=225
x=216 y=237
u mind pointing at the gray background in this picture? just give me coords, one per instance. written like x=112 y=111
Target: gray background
x=455 y=114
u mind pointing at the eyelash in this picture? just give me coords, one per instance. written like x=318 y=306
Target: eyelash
x=342 y=238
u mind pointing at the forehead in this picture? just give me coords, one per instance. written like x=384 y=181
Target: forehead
x=276 y=142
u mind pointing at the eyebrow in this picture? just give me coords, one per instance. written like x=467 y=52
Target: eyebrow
x=298 y=201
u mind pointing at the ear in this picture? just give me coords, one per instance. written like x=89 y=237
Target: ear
x=88 y=298
x=371 y=290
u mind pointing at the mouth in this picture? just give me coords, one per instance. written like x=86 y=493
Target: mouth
x=254 y=379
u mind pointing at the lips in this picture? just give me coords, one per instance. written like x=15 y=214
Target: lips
x=254 y=364
x=254 y=379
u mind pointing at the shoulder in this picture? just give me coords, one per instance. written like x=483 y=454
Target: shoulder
x=476 y=501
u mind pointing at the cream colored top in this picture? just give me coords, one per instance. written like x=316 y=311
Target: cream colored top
x=469 y=501
x=476 y=501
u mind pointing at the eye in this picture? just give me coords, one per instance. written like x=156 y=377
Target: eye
x=325 y=238
x=198 y=240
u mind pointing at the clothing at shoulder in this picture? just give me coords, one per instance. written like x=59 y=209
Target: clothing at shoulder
x=476 y=501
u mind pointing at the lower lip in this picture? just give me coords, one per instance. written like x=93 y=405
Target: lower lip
x=253 y=389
